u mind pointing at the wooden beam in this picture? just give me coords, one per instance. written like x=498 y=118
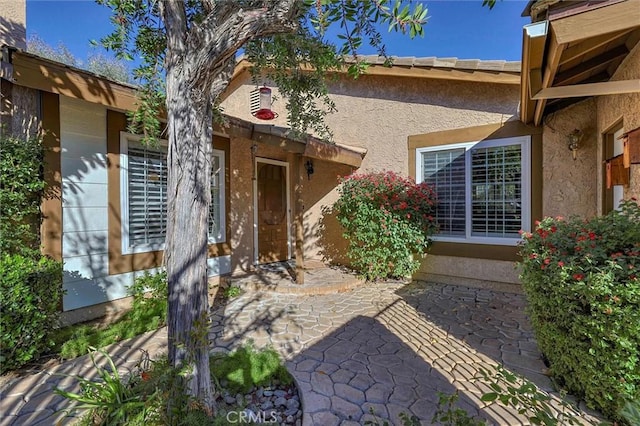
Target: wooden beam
x=553 y=58
x=298 y=217
x=590 y=89
x=604 y=20
x=535 y=81
x=589 y=45
x=534 y=37
x=586 y=67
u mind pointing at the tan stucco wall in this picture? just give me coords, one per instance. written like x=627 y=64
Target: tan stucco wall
x=377 y=113
x=241 y=199
x=623 y=108
x=13 y=23
x=570 y=186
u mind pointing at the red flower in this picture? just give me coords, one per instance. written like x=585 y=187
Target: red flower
x=578 y=277
x=561 y=264
x=592 y=236
x=403 y=205
x=547 y=261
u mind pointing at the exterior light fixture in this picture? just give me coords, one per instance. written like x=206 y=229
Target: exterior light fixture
x=265 y=112
x=309 y=167
x=574 y=142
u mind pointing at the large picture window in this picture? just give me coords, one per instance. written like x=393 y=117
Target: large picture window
x=143 y=185
x=483 y=189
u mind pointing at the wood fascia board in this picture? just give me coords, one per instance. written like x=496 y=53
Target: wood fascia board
x=589 y=45
x=534 y=37
x=476 y=76
x=593 y=63
x=334 y=153
x=608 y=19
x=589 y=89
x=483 y=76
x=553 y=58
x=49 y=77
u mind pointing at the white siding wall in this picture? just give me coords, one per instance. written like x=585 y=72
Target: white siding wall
x=83 y=139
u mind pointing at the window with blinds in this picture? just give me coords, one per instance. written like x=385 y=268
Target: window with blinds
x=482 y=188
x=445 y=171
x=147 y=172
x=144 y=192
x=496 y=191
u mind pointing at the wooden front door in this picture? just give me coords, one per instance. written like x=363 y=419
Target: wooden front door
x=272 y=214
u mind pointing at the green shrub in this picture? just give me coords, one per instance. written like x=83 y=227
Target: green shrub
x=21 y=189
x=30 y=295
x=582 y=283
x=155 y=394
x=149 y=312
x=387 y=220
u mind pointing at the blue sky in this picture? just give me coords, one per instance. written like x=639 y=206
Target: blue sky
x=456 y=28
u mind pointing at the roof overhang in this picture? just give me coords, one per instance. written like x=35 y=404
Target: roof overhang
x=573 y=54
x=499 y=72
x=27 y=70
x=281 y=138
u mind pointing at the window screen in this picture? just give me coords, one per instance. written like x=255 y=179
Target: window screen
x=445 y=171
x=496 y=191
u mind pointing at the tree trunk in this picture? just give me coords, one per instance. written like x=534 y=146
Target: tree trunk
x=188 y=198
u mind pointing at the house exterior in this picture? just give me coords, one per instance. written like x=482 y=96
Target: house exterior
x=393 y=114
x=581 y=70
x=492 y=140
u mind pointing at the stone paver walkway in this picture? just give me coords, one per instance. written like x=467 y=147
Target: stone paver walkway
x=384 y=347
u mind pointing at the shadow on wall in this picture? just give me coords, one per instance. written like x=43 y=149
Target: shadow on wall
x=323 y=233
x=12 y=33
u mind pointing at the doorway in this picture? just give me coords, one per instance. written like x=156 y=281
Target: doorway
x=271 y=217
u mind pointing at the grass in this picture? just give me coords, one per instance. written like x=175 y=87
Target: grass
x=75 y=340
x=148 y=313
x=247 y=367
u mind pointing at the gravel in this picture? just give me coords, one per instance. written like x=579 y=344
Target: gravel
x=277 y=402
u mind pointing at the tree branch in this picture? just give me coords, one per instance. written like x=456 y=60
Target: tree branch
x=216 y=41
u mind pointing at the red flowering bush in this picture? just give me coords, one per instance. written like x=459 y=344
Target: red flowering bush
x=388 y=220
x=582 y=280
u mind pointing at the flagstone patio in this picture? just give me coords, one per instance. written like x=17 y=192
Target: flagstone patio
x=382 y=347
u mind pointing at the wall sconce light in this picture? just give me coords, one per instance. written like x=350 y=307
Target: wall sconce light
x=574 y=141
x=309 y=167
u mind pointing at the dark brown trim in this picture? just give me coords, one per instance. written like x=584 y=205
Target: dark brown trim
x=478 y=133
x=119 y=263
x=51 y=206
x=475 y=251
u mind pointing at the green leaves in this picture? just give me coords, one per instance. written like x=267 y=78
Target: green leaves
x=30 y=292
x=21 y=188
x=387 y=220
x=582 y=283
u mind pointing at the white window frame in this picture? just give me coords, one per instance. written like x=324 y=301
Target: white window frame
x=127 y=248
x=525 y=147
x=222 y=234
